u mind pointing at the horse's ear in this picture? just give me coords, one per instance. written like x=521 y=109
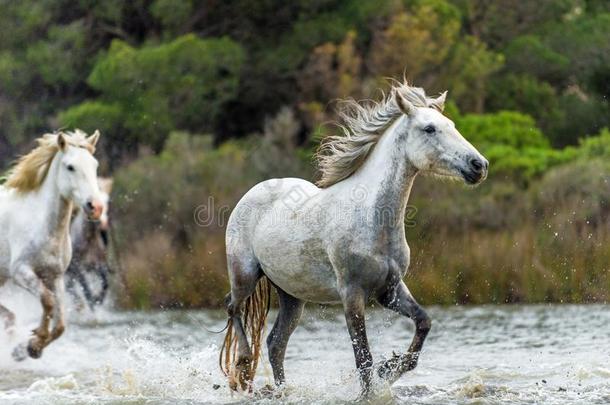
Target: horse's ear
x=439 y=102
x=94 y=138
x=405 y=105
x=61 y=142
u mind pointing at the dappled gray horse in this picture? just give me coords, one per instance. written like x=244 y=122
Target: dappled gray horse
x=89 y=268
x=344 y=241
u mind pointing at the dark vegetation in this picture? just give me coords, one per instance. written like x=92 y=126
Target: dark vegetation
x=199 y=100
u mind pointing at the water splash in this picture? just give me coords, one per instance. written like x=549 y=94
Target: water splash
x=513 y=355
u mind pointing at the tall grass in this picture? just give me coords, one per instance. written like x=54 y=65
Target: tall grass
x=498 y=243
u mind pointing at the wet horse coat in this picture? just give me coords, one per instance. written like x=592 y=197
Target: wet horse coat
x=343 y=242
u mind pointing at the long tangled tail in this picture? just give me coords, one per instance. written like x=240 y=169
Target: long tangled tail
x=254 y=318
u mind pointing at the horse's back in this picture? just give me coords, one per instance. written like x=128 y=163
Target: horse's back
x=262 y=199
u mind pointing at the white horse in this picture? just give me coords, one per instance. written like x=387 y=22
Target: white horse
x=35 y=209
x=343 y=242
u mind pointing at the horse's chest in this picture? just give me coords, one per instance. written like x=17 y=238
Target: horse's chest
x=47 y=257
x=371 y=269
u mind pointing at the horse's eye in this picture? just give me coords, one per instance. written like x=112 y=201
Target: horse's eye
x=70 y=168
x=429 y=129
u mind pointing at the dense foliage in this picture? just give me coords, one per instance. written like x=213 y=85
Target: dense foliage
x=528 y=83
x=142 y=69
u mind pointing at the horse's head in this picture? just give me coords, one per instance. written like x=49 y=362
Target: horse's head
x=77 y=178
x=435 y=146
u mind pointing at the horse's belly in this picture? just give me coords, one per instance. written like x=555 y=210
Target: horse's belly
x=314 y=283
x=299 y=267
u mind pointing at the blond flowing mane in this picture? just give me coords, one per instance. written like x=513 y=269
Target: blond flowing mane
x=29 y=172
x=363 y=123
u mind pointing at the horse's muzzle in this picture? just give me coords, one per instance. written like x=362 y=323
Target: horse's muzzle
x=94 y=210
x=477 y=170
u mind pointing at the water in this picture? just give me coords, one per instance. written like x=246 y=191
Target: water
x=474 y=355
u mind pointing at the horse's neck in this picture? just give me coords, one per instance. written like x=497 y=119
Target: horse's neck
x=386 y=177
x=56 y=209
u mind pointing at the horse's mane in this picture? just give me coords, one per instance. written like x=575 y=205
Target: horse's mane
x=30 y=171
x=363 y=123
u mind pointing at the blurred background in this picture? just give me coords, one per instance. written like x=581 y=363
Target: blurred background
x=198 y=101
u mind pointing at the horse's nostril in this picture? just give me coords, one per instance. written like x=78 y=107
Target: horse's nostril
x=476 y=165
x=90 y=205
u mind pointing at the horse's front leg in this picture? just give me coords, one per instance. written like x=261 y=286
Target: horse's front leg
x=399 y=299
x=59 y=323
x=80 y=276
x=354 y=301
x=26 y=278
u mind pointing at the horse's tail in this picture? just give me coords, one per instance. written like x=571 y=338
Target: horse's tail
x=254 y=317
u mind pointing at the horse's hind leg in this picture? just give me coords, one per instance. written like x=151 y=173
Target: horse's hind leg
x=286 y=322
x=400 y=300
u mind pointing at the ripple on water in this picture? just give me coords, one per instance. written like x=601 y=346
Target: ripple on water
x=487 y=355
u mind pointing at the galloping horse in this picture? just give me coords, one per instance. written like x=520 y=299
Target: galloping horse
x=35 y=209
x=344 y=241
x=90 y=252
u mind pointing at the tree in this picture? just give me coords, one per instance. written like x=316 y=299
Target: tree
x=183 y=84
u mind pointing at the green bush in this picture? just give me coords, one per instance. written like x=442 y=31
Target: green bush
x=179 y=85
x=515 y=147
x=595 y=146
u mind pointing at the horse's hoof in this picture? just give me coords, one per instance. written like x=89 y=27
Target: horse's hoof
x=33 y=351
x=243 y=367
x=20 y=352
x=269 y=392
x=392 y=369
x=366 y=396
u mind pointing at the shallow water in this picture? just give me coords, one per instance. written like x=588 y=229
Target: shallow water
x=474 y=355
